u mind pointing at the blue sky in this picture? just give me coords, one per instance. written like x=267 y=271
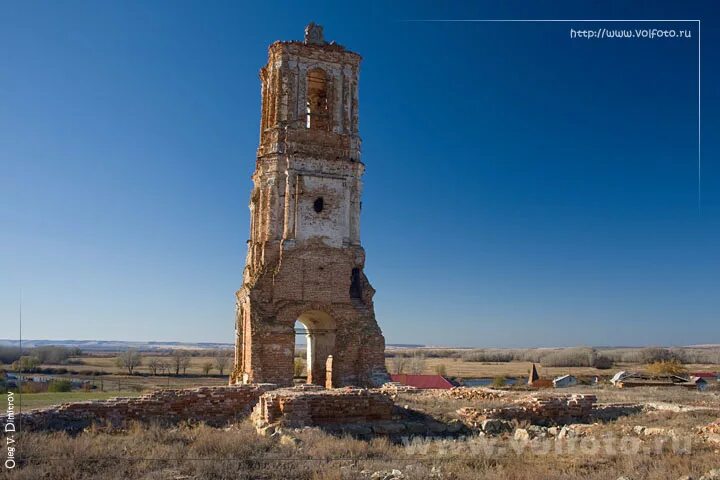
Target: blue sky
x=523 y=188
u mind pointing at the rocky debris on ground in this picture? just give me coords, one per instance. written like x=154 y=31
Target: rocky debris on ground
x=521 y=435
x=394 y=388
x=393 y=429
x=535 y=409
x=713 y=427
x=612 y=411
x=713 y=474
x=713 y=439
x=393 y=474
x=472 y=393
x=710 y=433
x=654 y=431
x=675 y=408
x=532 y=432
x=496 y=426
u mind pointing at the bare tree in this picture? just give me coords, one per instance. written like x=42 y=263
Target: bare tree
x=164 y=366
x=206 y=367
x=180 y=361
x=416 y=366
x=398 y=364
x=129 y=359
x=155 y=365
x=221 y=360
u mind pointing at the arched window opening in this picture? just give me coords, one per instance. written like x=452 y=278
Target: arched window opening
x=317 y=106
x=318 y=204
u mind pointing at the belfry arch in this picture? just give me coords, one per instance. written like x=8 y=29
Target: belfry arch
x=318 y=102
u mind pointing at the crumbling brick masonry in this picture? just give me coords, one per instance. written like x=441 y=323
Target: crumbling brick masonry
x=212 y=405
x=305 y=260
x=310 y=405
x=539 y=410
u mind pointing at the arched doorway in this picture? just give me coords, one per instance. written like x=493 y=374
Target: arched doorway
x=318 y=330
x=300 y=353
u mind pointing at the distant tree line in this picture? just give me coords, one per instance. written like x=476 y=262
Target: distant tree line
x=30 y=359
x=176 y=363
x=562 y=357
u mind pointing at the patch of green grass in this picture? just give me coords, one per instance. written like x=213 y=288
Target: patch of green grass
x=29 y=401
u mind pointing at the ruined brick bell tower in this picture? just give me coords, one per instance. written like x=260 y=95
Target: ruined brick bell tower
x=304 y=260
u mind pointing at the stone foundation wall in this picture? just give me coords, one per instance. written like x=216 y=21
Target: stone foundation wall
x=538 y=410
x=213 y=405
x=310 y=405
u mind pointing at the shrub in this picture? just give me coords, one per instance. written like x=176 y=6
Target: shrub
x=26 y=363
x=602 y=362
x=60 y=386
x=33 y=387
x=667 y=367
x=440 y=369
x=299 y=367
x=499 y=381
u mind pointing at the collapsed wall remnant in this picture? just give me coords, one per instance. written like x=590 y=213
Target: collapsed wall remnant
x=473 y=393
x=215 y=406
x=308 y=405
x=540 y=410
x=358 y=412
x=305 y=260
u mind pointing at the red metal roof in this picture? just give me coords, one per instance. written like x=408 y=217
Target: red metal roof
x=704 y=374
x=423 y=381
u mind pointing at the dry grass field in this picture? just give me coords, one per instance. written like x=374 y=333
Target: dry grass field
x=189 y=452
x=28 y=401
x=238 y=452
x=456 y=367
